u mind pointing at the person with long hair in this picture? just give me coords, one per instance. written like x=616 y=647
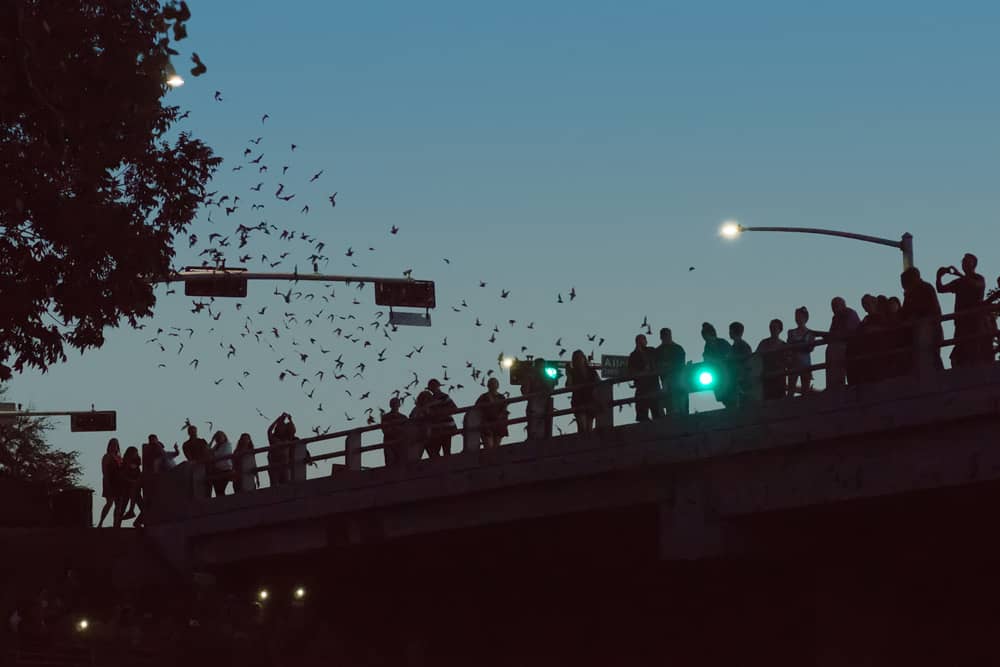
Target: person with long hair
x=583 y=399
x=222 y=465
x=111 y=464
x=245 y=464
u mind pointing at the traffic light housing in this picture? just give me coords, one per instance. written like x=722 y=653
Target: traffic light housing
x=88 y=422
x=407 y=294
x=223 y=282
x=540 y=372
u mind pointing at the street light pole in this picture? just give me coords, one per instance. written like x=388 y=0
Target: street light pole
x=904 y=244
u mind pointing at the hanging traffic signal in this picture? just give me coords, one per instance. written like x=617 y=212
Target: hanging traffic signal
x=88 y=422
x=405 y=294
x=220 y=282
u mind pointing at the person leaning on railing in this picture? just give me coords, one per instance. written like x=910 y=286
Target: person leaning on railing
x=493 y=415
x=245 y=465
x=843 y=325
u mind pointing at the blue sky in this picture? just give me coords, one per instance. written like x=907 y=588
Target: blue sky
x=547 y=145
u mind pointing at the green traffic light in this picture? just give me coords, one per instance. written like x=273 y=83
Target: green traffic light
x=706 y=378
x=551 y=372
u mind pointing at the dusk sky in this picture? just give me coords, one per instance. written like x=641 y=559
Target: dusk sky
x=546 y=146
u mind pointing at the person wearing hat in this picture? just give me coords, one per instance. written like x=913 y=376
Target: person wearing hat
x=442 y=424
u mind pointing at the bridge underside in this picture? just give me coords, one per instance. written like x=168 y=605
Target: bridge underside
x=903 y=580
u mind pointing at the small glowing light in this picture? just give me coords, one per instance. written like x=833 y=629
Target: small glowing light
x=507 y=362
x=175 y=81
x=705 y=378
x=730 y=229
x=300 y=593
x=262 y=594
x=82 y=624
x=552 y=372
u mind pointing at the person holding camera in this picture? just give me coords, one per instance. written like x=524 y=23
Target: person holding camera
x=280 y=436
x=972 y=346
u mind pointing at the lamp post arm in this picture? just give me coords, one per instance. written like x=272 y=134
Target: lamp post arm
x=827 y=232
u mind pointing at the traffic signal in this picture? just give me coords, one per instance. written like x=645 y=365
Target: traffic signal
x=705 y=376
x=217 y=285
x=534 y=371
x=88 y=422
x=405 y=294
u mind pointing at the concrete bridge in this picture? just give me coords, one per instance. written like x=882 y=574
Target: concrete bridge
x=843 y=528
x=699 y=481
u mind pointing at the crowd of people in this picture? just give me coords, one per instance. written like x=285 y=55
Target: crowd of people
x=858 y=350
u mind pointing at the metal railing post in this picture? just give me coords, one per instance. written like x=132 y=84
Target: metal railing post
x=604 y=396
x=298 y=461
x=470 y=430
x=539 y=415
x=924 y=349
x=352 y=447
x=199 y=485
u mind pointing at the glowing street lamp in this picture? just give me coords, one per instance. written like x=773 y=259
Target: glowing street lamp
x=300 y=593
x=731 y=229
x=263 y=594
x=82 y=625
x=171 y=77
x=507 y=362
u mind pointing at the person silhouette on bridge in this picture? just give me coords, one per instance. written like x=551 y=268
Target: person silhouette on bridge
x=584 y=399
x=800 y=341
x=773 y=353
x=195 y=449
x=155 y=459
x=739 y=364
x=642 y=367
x=493 y=415
x=419 y=424
x=245 y=465
x=393 y=433
x=972 y=344
x=441 y=422
x=222 y=463
x=111 y=464
x=280 y=436
x=129 y=489
x=717 y=353
x=843 y=325
x=670 y=358
x=921 y=306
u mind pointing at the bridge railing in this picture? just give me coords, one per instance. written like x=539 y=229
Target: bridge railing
x=915 y=347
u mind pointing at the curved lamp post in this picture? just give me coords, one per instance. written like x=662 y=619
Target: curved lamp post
x=731 y=229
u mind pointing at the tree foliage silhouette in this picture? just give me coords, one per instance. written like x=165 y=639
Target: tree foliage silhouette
x=26 y=455
x=94 y=185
